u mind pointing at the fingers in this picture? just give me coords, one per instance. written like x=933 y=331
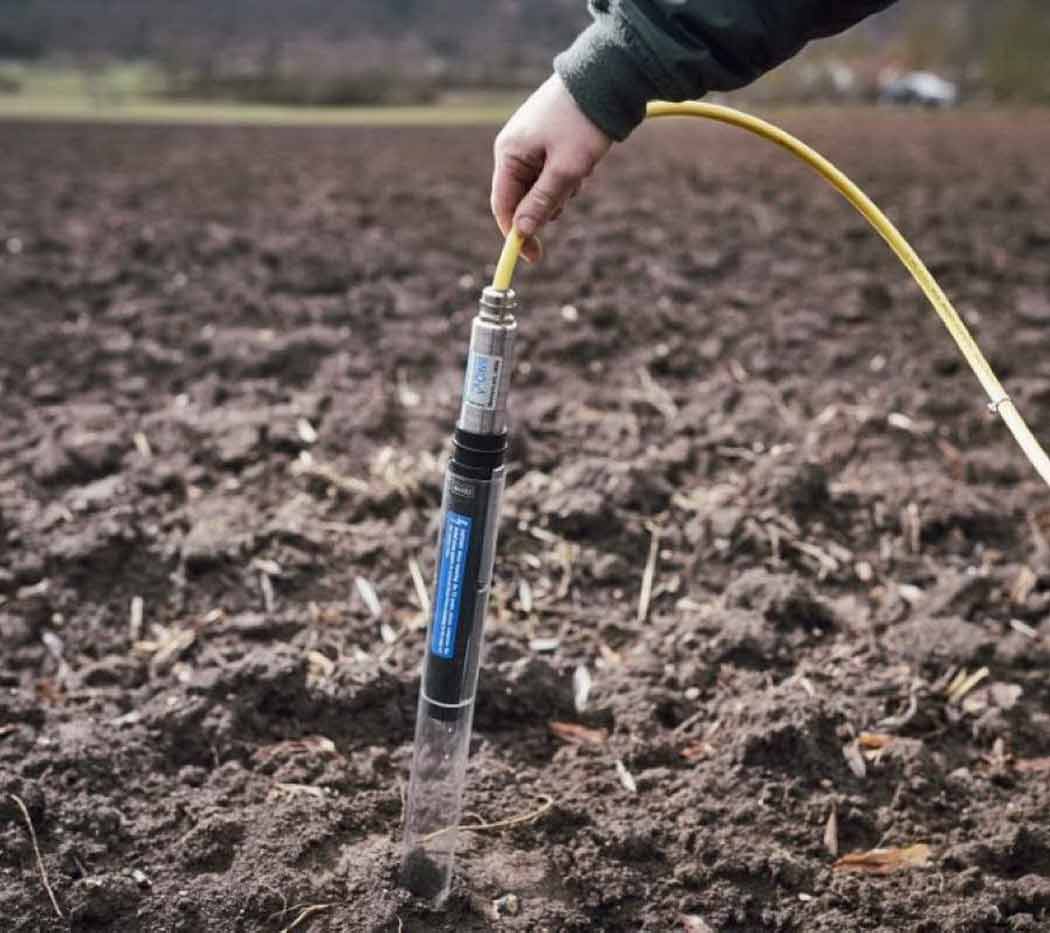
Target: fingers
x=511 y=179
x=550 y=192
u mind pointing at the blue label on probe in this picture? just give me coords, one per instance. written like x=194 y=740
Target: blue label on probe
x=455 y=543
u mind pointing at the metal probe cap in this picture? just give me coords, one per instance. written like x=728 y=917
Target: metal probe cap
x=498 y=302
x=491 y=359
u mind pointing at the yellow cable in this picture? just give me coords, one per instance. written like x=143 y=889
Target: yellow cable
x=508 y=259
x=999 y=401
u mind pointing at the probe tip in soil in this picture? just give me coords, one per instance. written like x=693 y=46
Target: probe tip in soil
x=421 y=875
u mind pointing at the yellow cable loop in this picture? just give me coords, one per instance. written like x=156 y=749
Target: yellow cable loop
x=999 y=401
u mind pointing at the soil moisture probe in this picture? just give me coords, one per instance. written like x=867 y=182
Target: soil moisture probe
x=470 y=517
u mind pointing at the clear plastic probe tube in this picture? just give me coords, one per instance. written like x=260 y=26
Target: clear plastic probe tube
x=466 y=550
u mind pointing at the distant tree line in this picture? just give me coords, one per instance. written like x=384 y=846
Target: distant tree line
x=1001 y=49
x=368 y=51
x=307 y=51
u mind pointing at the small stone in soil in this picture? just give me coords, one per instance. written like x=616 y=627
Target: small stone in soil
x=507 y=906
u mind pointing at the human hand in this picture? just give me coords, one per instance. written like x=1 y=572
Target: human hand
x=542 y=156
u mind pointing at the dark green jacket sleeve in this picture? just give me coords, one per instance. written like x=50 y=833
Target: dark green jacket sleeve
x=641 y=50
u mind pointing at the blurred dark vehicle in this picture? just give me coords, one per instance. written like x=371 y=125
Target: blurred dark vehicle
x=921 y=88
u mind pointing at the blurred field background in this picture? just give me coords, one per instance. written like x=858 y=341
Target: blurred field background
x=754 y=495
x=463 y=60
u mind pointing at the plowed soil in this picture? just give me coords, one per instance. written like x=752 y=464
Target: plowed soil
x=230 y=361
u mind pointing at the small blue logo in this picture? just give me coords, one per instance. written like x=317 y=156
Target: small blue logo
x=479 y=383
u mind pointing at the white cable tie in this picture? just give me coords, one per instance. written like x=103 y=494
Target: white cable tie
x=459 y=705
x=996 y=403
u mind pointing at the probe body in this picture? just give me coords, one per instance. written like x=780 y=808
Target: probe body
x=469 y=523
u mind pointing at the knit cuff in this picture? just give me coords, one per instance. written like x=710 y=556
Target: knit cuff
x=605 y=79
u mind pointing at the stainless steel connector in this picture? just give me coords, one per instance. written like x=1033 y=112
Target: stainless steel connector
x=487 y=381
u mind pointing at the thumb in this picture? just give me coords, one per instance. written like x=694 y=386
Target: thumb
x=550 y=192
